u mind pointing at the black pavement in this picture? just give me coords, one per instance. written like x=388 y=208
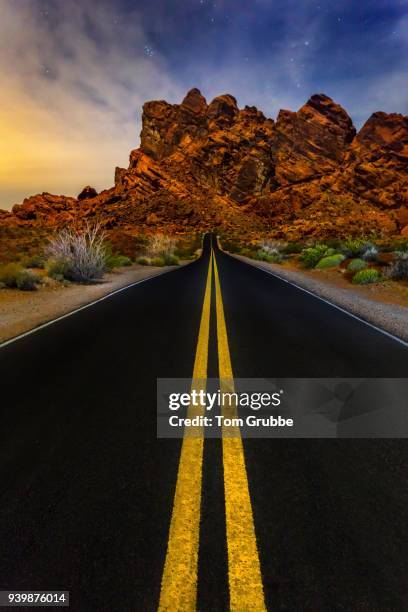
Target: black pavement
x=87 y=490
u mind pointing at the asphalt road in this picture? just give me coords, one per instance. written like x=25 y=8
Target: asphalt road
x=87 y=490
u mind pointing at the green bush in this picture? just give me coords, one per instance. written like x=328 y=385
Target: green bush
x=356 y=265
x=355 y=247
x=311 y=256
x=292 y=247
x=364 y=277
x=230 y=245
x=247 y=252
x=171 y=260
x=260 y=255
x=9 y=274
x=117 y=261
x=35 y=261
x=157 y=261
x=272 y=257
x=56 y=269
x=334 y=243
x=143 y=261
x=27 y=281
x=330 y=261
x=14 y=275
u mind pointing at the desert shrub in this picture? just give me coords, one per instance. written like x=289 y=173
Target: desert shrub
x=231 y=245
x=14 y=275
x=9 y=274
x=271 y=257
x=143 y=261
x=27 y=280
x=161 y=245
x=292 y=248
x=355 y=247
x=124 y=261
x=311 y=256
x=126 y=243
x=271 y=247
x=35 y=261
x=171 y=260
x=117 y=261
x=334 y=243
x=56 y=268
x=356 y=265
x=3 y=285
x=330 y=261
x=247 y=252
x=82 y=253
x=395 y=244
x=365 y=277
x=157 y=261
x=370 y=253
x=187 y=247
x=270 y=251
x=399 y=268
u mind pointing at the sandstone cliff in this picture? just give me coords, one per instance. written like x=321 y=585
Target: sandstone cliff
x=214 y=166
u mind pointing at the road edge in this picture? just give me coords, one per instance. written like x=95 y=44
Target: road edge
x=355 y=315
x=37 y=328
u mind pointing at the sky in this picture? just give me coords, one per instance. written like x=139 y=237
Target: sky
x=75 y=73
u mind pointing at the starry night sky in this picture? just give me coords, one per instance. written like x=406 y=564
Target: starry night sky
x=75 y=73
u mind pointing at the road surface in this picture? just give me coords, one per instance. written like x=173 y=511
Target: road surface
x=88 y=492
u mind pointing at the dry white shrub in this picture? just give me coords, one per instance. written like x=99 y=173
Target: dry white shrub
x=271 y=247
x=81 y=252
x=161 y=245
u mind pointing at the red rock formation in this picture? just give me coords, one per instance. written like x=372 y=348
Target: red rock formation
x=87 y=193
x=201 y=166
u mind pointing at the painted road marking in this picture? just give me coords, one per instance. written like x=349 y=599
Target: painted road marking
x=244 y=572
x=179 y=581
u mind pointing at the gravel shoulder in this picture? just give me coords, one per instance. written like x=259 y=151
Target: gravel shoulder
x=384 y=305
x=21 y=311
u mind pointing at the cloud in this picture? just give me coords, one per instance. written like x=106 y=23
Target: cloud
x=76 y=74
x=73 y=84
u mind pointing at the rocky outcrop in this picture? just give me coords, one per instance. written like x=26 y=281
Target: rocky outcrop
x=312 y=141
x=87 y=193
x=201 y=166
x=376 y=167
x=46 y=208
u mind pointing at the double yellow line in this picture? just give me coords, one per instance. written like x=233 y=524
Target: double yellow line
x=179 y=581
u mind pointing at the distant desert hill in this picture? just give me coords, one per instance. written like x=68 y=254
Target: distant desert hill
x=214 y=166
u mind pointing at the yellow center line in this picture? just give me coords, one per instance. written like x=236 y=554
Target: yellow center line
x=244 y=572
x=179 y=581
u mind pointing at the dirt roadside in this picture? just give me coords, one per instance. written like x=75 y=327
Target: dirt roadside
x=21 y=311
x=384 y=304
